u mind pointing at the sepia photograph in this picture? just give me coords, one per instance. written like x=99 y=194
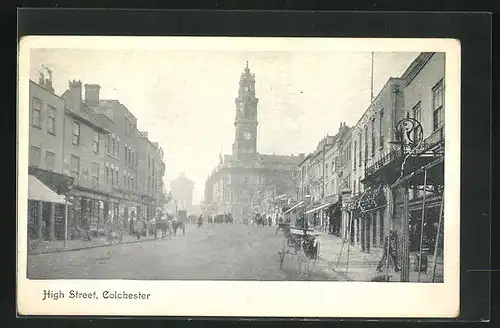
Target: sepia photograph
x=237 y=160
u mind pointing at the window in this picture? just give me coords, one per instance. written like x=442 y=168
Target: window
x=118 y=148
x=112 y=173
x=108 y=145
x=95 y=175
x=75 y=166
x=76 y=133
x=366 y=143
x=36 y=113
x=133 y=185
x=373 y=136
x=50 y=160
x=354 y=157
x=96 y=142
x=381 y=128
x=51 y=120
x=360 y=154
x=107 y=174
x=438 y=104
x=116 y=178
x=113 y=147
x=125 y=181
x=326 y=171
x=35 y=154
x=126 y=155
x=417 y=115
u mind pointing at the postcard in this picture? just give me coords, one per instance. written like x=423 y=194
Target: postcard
x=238 y=176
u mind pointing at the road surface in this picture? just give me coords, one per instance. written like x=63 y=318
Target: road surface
x=213 y=252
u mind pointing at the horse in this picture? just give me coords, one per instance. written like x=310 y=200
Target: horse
x=139 y=227
x=165 y=227
x=178 y=224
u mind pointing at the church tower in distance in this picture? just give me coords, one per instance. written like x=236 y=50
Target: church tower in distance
x=245 y=140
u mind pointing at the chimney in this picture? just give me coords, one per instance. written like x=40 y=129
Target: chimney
x=92 y=94
x=75 y=88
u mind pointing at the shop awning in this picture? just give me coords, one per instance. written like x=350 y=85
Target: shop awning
x=40 y=192
x=318 y=208
x=294 y=207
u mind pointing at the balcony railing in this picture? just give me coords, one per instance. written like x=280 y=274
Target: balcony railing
x=386 y=159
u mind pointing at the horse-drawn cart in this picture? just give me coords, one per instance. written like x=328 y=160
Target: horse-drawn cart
x=299 y=242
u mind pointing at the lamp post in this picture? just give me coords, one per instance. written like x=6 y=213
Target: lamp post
x=66 y=196
x=306 y=221
x=409 y=134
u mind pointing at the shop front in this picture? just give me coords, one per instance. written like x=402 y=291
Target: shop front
x=46 y=219
x=373 y=217
x=42 y=214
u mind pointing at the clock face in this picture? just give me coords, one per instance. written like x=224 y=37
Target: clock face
x=248 y=135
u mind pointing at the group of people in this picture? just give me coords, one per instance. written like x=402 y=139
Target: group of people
x=221 y=218
x=262 y=220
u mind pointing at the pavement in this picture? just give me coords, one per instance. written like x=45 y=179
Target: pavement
x=56 y=246
x=213 y=252
x=355 y=265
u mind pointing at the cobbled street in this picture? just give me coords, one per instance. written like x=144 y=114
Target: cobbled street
x=213 y=252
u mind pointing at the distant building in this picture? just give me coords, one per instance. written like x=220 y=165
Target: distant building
x=182 y=194
x=241 y=181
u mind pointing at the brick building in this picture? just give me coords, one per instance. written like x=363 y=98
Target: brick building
x=94 y=196
x=88 y=149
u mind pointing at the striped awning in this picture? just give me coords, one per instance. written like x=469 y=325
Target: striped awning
x=318 y=208
x=294 y=207
x=40 y=192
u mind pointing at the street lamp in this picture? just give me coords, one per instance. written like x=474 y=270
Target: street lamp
x=409 y=135
x=306 y=221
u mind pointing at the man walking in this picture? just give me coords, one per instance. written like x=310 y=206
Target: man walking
x=391 y=250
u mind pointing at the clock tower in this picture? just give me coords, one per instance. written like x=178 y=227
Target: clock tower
x=245 y=140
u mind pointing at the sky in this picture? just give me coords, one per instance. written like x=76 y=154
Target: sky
x=185 y=98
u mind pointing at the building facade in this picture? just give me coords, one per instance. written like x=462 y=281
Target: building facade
x=321 y=181
x=387 y=170
x=95 y=195
x=369 y=222
x=45 y=157
x=242 y=180
x=88 y=149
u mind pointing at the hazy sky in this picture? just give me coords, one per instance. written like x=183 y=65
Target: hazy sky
x=185 y=99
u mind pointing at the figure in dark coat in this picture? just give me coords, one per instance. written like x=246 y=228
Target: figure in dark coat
x=391 y=250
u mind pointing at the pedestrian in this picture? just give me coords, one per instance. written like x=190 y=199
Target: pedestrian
x=200 y=221
x=131 y=223
x=391 y=250
x=138 y=228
